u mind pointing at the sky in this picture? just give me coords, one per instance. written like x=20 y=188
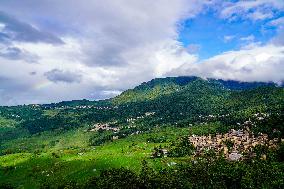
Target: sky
x=55 y=50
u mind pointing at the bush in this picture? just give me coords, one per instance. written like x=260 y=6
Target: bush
x=181 y=148
x=116 y=178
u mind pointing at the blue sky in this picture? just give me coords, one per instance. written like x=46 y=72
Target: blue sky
x=54 y=50
x=209 y=32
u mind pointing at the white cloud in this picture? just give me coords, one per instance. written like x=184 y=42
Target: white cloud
x=228 y=38
x=110 y=45
x=249 y=38
x=251 y=9
x=260 y=15
x=279 y=22
x=260 y=63
x=193 y=48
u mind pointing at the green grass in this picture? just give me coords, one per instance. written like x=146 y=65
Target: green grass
x=50 y=113
x=62 y=157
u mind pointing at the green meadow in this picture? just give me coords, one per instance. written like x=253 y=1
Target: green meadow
x=64 y=157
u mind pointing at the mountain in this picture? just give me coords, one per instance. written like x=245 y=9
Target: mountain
x=172 y=100
x=177 y=99
x=165 y=86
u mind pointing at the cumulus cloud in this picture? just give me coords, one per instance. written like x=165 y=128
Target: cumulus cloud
x=113 y=28
x=260 y=63
x=95 y=48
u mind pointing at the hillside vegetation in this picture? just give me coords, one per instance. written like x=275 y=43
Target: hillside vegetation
x=139 y=139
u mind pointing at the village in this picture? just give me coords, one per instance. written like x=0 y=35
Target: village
x=112 y=126
x=86 y=107
x=132 y=120
x=105 y=127
x=233 y=144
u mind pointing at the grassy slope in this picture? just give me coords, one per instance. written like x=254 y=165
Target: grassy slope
x=71 y=158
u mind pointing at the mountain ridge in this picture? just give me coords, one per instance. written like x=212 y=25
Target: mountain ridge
x=160 y=87
x=164 y=86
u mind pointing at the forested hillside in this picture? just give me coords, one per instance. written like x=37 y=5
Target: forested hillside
x=139 y=138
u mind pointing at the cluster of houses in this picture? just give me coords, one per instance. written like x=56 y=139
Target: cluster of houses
x=132 y=120
x=233 y=144
x=11 y=115
x=104 y=127
x=261 y=116
x=86 y=107
x=213 y=116
x=257 y=116
x=16 y=116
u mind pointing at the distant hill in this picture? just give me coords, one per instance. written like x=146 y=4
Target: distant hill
x=165 y=86
x=74 y=103
x=159 y=87
x=172 y=100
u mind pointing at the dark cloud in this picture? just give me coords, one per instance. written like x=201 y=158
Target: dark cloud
x=57 y=75
x=3 y=37
x=33 y=73
x=14 y=53
x=17 y=30
x=109 y=55
x=11 y=53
